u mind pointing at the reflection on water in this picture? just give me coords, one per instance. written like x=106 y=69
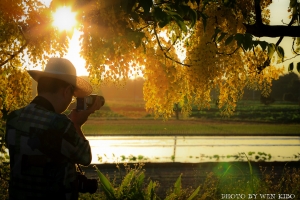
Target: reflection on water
x=192 y=149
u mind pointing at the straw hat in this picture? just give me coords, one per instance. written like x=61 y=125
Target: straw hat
x=63 y=69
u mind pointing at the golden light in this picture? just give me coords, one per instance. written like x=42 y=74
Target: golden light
x=64 y=18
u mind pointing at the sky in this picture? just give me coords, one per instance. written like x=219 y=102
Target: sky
x=280 y=14
x=278 y=10
x=73 y=52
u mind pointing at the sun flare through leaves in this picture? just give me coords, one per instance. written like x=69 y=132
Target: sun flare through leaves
x=64 y=19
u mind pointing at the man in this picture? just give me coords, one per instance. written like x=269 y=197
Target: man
x=44 y=145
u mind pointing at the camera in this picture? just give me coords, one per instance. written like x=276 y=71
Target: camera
x=84 y=103
x=86 y=185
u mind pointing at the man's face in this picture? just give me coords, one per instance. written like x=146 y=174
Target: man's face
x=68 y=97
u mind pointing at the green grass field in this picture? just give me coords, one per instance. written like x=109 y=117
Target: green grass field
x=185 y=127
x=250 y=118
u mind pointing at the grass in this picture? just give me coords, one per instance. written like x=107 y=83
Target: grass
x=250 y=118
x=185 y=127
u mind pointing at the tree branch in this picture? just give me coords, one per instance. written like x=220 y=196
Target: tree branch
x=294 y=48
x=165 y=54
x=14 y=55
x=273 y=31
x=261 y=30
x=257 y=8
x=228 y=54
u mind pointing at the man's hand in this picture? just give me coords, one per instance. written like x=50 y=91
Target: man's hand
x=80 y=117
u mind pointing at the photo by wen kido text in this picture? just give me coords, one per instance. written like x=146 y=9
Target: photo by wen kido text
x=258 y=196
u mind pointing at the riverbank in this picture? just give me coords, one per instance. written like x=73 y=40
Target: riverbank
x=102 y=126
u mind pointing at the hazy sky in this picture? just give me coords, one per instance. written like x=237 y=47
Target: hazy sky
x=279 y=15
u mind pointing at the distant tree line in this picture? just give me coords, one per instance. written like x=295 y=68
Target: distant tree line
x=131 y=91
x=286 y=88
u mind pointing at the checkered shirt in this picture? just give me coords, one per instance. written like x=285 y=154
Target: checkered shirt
x=43 y=147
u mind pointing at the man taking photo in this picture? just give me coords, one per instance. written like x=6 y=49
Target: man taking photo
x=44 y=144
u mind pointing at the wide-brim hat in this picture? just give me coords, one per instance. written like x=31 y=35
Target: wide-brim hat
x=63 y=69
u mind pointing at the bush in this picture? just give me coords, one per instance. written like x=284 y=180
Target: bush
x=267 y=100
x=133 y=186
x=289 y=97
x=227 y=179
x=4 y=166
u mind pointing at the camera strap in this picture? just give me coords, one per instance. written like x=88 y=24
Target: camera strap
x=79 y=168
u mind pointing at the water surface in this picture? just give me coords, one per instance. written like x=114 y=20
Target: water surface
x=193 y=149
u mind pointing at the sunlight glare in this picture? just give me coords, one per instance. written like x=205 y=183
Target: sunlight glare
x=64 y=18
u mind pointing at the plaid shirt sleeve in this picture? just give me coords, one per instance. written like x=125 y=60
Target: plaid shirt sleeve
x=43 y=147
x=73 y=146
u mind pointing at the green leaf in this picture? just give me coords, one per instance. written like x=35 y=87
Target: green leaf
x=298 y=67
x=140 y=179
x=217 y=31
x=194 y=193
x=204 y=20
x=126 y=182
x=162 y=17
x=221 y=37
x=146 y=5
x=229 y=40
x=247 y=42
x=280 y=52
x=193 y=16
x=239 y=39
x=291 y=67
x=150 y=187
x=136 y=37
x=271 y=49
x=171 y=196
x=108 y=188
x=164 y=22
x=180 y=22
x=263 y=45
x=255 y=43
x=185 y=10
x=177 y=186
x=134 y=16
x=150 y=190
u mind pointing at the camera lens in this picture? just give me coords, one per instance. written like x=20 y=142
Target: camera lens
x=90 y=99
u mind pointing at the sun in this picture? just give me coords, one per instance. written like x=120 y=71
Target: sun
x=64 y=19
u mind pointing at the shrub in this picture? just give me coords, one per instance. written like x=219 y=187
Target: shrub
x=289 y=97
x=4 y=167
x=267 y=100
x=227 y=179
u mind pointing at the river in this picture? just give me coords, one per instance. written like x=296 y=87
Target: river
x=193 y=149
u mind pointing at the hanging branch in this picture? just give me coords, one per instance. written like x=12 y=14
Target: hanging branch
x=14 y=55
x=294 y=48
x=260 y=25
x=290 y=24
x=228 y=54
x=165 y=54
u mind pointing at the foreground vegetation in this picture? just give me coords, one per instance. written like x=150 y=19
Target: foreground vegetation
x=227 y=179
